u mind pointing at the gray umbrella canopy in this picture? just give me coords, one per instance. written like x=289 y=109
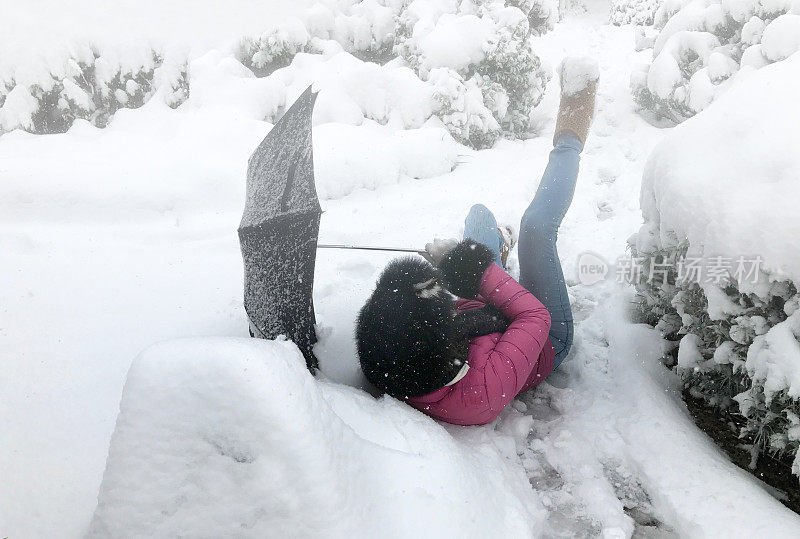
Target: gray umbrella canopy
x=279 y=230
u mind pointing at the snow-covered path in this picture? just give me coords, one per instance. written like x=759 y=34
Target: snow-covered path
x=612 y=450
x=96 y=272
x=604 y=213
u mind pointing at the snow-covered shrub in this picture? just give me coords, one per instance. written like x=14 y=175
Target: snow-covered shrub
x=475 y=56
x=542 y=14
x=702 y=44
x=275 y=48
x=461 y=106
x=474 y=59
x=515 y=80
x=90 y=86
x=363 y=28
x=485 y=47
x=718 y=266
x=734 y=361
x=640 y=12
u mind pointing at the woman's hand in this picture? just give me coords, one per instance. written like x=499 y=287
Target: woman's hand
x=439 y=248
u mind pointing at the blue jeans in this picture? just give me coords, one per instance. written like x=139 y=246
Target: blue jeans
x=539 y=268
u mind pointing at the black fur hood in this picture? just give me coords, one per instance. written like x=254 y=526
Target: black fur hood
x=411 y=341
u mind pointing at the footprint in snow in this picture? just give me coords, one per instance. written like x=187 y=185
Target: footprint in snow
x=607 y=174
x=636 y=503
x=604 y=210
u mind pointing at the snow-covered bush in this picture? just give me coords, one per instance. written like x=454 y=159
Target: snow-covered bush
x=234 y=438
x=542 y=14
x=364 y=29
x=486 y=52
x=514 y=79
x=702 y=44
x=88 y=85
x=475 y=57
x=275 y=48
x=718 y=265
x=640 y=12
x=471 y=60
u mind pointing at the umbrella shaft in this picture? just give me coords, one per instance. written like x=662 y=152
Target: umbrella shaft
x=369 y=248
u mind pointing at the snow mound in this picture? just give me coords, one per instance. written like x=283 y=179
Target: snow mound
x=718 y=193
x=577 y=72
x=781 y=38
x=219 y=437
x=741 y=154
x=369 y=156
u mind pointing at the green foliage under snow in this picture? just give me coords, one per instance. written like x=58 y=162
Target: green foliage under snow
x=710 y=354
x=91 y=87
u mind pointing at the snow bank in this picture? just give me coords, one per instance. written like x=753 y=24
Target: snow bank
x=720 y=193
x=219 y=437
x=742 y=155
x=347 y=157
x=225 y=97
x=709 y=496
x=615 y=453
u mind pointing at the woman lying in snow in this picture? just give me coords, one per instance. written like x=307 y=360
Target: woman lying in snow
x=463 y=361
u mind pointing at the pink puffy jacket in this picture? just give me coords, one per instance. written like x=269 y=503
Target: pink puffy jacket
x=501 y=365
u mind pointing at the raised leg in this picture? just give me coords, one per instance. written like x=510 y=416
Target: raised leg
x=481 y=226
x=539 y=267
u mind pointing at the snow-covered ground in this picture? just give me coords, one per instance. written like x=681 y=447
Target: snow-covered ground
x=118 y=238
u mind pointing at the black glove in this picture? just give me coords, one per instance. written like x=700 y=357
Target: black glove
x=463 y=266
x=483 y=321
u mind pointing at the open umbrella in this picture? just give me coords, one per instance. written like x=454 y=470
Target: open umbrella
x=279 y=230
